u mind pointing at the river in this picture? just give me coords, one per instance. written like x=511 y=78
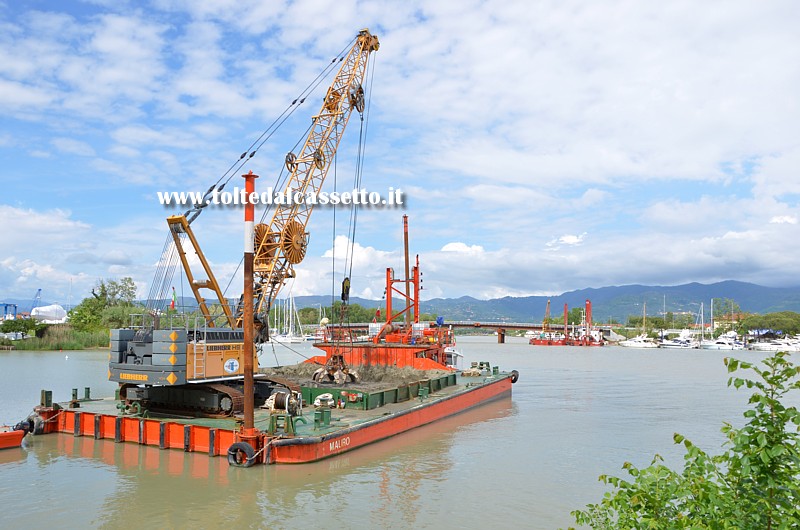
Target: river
x=527 y=461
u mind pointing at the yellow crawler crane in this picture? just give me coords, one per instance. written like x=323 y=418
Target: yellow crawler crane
x=201 y=368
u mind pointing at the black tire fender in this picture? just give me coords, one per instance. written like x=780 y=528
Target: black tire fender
x=241 y=454
x=37 y=424
x=514 y=376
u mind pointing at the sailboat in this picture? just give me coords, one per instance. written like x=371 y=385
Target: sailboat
x=726 y=341
x=321 y=334
x=641 y=340
x=289 y=331
x=686 y=339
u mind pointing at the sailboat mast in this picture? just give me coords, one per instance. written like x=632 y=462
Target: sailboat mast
x=644 y=318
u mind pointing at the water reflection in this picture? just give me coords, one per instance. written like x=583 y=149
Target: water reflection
x=389 y=481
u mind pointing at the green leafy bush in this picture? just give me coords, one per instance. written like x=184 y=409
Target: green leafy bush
x=753 y=484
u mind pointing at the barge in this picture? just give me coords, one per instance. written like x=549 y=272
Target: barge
x=351 y=419
x=585 y=335
x=354 y=393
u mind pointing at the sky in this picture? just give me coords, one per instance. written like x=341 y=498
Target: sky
x=542 y=146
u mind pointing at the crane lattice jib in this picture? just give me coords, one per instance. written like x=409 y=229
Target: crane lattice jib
x=282 y=244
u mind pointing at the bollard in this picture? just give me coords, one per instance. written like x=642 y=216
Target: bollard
x=423 y=393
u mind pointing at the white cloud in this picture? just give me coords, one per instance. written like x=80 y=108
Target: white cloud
x=568 y=239
x=463 y=248
x=784 y=219
x=668 y=133
x=72 y=146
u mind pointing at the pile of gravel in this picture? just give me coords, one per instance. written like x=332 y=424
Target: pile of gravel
x=371 y=376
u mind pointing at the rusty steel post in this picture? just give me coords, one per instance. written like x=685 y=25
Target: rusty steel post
x=247 y=317
x=408 y=279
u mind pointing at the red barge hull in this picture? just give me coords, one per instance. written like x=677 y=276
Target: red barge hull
x=348 y=429
x=300 y=450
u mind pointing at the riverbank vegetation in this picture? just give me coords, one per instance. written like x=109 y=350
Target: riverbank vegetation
x=754 y=483
x=63 y=337
x=110 y=306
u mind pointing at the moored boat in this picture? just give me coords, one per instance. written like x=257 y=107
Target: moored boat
x=678 y=343
x=639 y=341
x=347 y=417
x=685 y=340
x=728 y=341
x=548 y=338
x=789 y=344
x=11 y=437
x=585 y=335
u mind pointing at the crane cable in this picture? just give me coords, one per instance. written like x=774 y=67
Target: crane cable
x=165 y=269
x=256 y=145
x=347 y=271
x=280 y=182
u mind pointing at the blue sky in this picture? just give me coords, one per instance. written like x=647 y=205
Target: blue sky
x=543 y=146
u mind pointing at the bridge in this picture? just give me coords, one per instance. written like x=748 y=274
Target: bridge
x=499 y=327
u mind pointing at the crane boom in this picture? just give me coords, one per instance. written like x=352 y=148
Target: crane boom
x=179 y=226
x=281 y=244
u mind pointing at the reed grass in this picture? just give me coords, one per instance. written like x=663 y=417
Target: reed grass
x=64 y=337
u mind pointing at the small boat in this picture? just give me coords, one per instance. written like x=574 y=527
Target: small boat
x=639 y=341
x=776 y=345
x=287 y=338
x=678 y=343
x=11 y=437
x=723 y=342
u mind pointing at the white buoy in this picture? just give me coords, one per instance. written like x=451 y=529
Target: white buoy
x=66 y=357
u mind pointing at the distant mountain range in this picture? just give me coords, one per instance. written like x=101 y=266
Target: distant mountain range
x=616 y=302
